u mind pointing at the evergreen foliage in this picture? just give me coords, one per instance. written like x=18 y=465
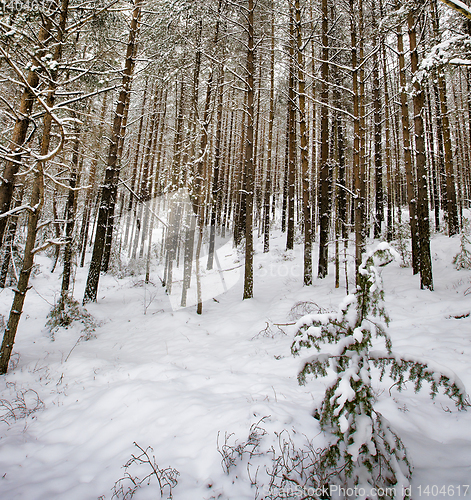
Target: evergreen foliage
x=462 y=260
x=68 y=311
x=363 y=446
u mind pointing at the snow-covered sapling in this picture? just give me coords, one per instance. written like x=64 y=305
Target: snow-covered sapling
x=462 y=259
x=363 y=446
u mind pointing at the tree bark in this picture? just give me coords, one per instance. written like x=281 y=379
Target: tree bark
x=325 y=171
x=425 y=261
x=249 y=160
x=20 y=130
x=112 y=168
x=304 y=151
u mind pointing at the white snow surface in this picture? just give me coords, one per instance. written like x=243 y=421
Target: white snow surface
x=173 y=380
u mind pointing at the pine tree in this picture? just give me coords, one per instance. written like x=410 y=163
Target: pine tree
x=363 y=446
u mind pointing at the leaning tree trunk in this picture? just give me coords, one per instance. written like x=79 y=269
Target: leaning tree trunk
x=36 y=202
x=19 y=135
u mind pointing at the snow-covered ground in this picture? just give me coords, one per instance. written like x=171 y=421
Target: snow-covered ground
x=185 y=385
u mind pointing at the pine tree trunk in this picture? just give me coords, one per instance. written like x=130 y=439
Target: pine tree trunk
x=36 y=203
x=411 y=198
x=70 y=219
x=324 y=177
x=112 y=168
x=271 y=119
x=304 y=151
x=291 y=189
x=10 y=238
x=20 y=129
x=451 y=201
x=425 y=261
x=378 y=160
x=216 y=188
x=135 y=164
x=249 y=160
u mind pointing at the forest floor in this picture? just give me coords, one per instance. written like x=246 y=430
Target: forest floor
x=192 y=387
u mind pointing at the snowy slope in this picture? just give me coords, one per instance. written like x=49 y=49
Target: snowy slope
x=173 y=380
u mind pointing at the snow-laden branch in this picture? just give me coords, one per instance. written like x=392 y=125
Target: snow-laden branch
x=15 y=211
x=460 y=7
x=49 y=243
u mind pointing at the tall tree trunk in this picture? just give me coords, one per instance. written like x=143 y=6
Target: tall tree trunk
x=91 y=190
x=70 y=211
x=216 y=188
x=378 y=160
x=19 y=135
x=358 y=206
x=271 y=119
x=112 y=167
x=411 y=198
x=135 y=163
x=249 y=160
x=325 y=171
x=10 y=238
x=426 y=280
x=451 y=201
x=387 y=137
x=37 y=200
x=291 y=136
x=304 y=151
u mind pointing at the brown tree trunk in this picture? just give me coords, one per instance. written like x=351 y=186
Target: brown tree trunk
x=411 y=198
x=451 y=201
x=378 y=160
x=36 y=204
x=112 y=167
x=425 y=261
x=324 y=180
x=304 y=151
x=70 y=219
x=20 y=129
x=271 y=119
x=291 y=135
x=249 y=160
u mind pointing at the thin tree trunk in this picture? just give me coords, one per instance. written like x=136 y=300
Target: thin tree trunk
x=378 y=160
x=249 y=159
x=425 y=261
x=324 y=180
x=271 y=119
x=291 y=139
x=451 y=201
x=10 y=238
x=112 y=168
x=70 y=220
x=304 y=151
x=411 y=198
